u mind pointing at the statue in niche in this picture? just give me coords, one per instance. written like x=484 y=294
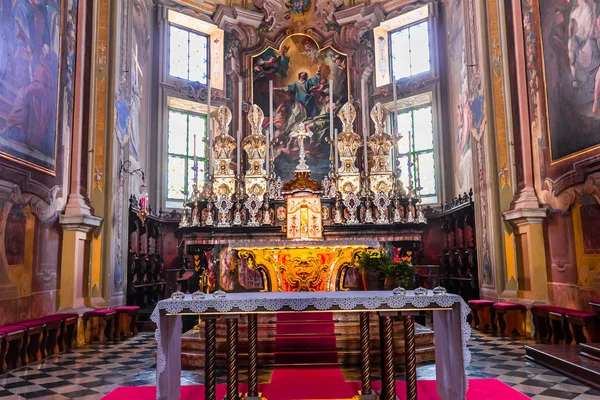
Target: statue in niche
x=237 y=214
x=368 y=212
x=398 y=211
x=209 y=218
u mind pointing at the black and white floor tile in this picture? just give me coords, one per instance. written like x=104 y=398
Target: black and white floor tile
x=92 y=371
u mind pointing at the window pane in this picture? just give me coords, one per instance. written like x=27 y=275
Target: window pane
x=404 y=171
x=400 y=49
x=423 y=129
x=197 y=128
x=198 y=58
x=175 y=178
x=427 y=173
x=178 y=52
x=419 y=48
x=404 y=129
x=177 y=132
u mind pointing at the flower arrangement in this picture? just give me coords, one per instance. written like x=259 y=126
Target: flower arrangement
x=399 y=269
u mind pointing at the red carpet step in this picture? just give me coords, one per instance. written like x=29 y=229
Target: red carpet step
x=321 y=387
x=305 y=338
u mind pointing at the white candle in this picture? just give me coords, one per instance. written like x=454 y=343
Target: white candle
x=195 y=163
x=270 y=135
x=240 y=124
x=395 y=131
x=330 y=109
x=364 y=121
x=209 y=130
x=337 y=160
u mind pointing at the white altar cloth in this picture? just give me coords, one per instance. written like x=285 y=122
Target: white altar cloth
x=450 y=327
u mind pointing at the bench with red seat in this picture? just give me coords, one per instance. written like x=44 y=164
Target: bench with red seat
x=34 y=339
x=482 y=314
x=511 y=318
x=100 y=324
x=584 y=326
x=126 y=321
x=565 y=325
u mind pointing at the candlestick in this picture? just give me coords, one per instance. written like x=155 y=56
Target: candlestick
x=337 y=159
x=395 y=133
x=364 y=121
x=270 y=135
x=330 y=109
x=209 y=130
x=195 y=162
x=240 y=124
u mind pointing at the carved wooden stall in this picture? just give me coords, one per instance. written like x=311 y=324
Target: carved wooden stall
x=450 y=240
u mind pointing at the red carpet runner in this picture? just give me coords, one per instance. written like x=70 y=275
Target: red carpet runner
x=305 y=339
x=323 y=383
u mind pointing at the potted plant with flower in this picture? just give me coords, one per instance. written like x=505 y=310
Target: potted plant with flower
x=392 y=272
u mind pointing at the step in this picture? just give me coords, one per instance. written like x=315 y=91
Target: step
x=591 y=351
x=565 y=359
x=313 y=342
x=302 y=328
x=306 y=357
x=305 y=316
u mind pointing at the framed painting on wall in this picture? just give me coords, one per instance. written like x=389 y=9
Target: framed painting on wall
x=300 y=70
x=30 y=55
x=571 y=60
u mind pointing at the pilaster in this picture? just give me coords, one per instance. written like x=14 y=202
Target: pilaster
x=532 y=277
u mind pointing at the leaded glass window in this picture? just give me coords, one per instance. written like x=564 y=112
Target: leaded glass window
x=416 y=128
x=409 y=50
x=183 y=127
x=188 y=54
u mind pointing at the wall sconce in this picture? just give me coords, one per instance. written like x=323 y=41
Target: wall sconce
x=143 y=211
x=126 y=167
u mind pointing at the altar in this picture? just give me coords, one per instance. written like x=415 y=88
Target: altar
x=450 y=319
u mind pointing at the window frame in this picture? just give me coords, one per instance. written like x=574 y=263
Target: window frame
x=168 y=57
x=432 y=62
x=171 y=202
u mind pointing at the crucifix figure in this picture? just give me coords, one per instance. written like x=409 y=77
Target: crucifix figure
x=301 y=134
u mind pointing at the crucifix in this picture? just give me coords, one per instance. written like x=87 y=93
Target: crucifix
x=301 y=134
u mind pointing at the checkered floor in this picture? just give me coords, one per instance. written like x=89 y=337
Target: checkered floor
x=92 y=371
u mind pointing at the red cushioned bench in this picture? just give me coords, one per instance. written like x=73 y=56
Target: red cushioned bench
x=99 y=324
x=584 y=326
x=511 y=318
x=126 y=321
x=550 y=324
x=11 y=343
x=483 y=314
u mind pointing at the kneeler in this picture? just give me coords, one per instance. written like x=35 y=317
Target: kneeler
x=511 y=317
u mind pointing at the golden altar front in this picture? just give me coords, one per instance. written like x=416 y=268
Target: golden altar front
x=314 y=266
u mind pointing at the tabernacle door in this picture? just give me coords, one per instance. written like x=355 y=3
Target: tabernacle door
x=304 y=218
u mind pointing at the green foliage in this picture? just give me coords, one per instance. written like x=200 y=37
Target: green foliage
x=383 y=265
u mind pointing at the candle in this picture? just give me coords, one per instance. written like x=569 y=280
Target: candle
x=364 y=121
x=209 y=130
x=270 y=135
x=143 y=202
x=337 y=160
x=240 y=123
x=330 y=109
x=195 y=162
x=395 y=132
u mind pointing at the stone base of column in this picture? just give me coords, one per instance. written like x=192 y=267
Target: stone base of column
x=366 y=396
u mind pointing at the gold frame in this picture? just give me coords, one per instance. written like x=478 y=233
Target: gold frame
x=59 y=87
x=536 y=5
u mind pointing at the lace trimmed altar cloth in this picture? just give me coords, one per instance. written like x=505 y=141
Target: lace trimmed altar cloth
x=450 y=327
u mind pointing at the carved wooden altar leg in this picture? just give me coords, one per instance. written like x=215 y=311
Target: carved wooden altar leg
x=210 y=358
x=232 y=358
x=252 y=355
x=365 y=354
x=387 y=355
x=410 y=357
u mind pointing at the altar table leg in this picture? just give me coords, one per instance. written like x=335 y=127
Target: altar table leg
x=210 y=359
x=232 y=358
x=410 y=357
x=252 y=355
x=387 y=355
x=365 y=354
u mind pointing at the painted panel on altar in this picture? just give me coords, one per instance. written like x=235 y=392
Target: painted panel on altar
x=29 y=67
x=304 y=218
x=571 y=52
x=300 y=71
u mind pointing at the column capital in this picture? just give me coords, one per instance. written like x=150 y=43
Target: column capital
x=79 y=222
x=525 y=216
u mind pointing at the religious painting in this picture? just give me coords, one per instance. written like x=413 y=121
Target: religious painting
x=571 y=55
x=30 y=54
x=460 y=100
x=300 y=71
